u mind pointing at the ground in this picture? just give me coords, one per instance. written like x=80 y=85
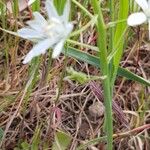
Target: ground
x=53 y=104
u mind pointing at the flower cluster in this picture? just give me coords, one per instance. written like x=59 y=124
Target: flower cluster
x=50 y=33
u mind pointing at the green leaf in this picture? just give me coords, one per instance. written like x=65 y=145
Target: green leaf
x=73 y=75
x=60 y=5
x=132 y=76
x=1 y=133
x=120 y=29
x=25 y=145
x=91 y=142
x=36 y=138
x=36 y=5
x=62 y=141
x=93 y=60
x=81 y=77
x=2 y=8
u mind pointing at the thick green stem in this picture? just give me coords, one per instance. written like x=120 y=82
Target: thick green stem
x=102 y=44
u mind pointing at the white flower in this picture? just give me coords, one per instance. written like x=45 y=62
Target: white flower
x=31 y=1
x=140 y=17
x=50 y=33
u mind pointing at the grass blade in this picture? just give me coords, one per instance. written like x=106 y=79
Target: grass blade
x=93 y=60
x=120 y=28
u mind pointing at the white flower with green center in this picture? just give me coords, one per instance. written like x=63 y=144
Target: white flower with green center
x=140 y=17
x=50 y=33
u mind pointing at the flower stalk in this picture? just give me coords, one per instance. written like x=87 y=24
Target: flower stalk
x=102 y=45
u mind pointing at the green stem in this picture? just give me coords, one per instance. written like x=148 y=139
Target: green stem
x=101 y=41
x=60 y=84
x=83 y=8
x=112 y=12
x=82 y=44
x=48 y=68
x=90 y=23
x=33 y=73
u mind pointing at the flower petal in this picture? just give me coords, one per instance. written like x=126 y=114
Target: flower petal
x=30 y=34
x=39 y=18
x=38 y=49
x=51 y=10
x=148 y=3
x=34 y=25
x=69 y=28
x=31 y=1
x=65 y=16
x=142 y=3
x=38 y=23
x=136 y=19
x=57 y=49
